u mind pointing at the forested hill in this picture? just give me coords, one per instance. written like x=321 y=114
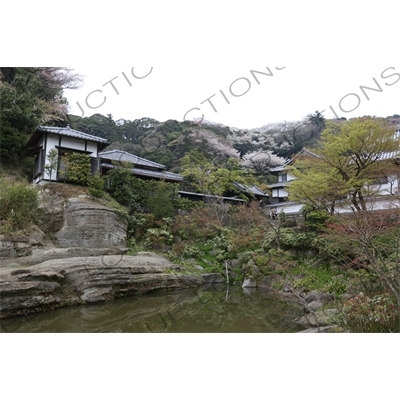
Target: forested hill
x=168 y=142
x=163 y=142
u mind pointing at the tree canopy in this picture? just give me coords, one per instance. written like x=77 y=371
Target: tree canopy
x=30 y=96
x=348 y=159
x=212 y=178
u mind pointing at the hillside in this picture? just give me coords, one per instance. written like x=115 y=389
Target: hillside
x=168 y=142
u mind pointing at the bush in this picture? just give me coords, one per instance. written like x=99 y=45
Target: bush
x=160 y=198
x=321 y=279
x=125 y=188
x=18 y=205
x=96 y=186
x=78 y=168
x=371 y=314
x=159 y=237
x=288 y=238
x=317 y=220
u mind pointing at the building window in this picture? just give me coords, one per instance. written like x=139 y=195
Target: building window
x=282 y=178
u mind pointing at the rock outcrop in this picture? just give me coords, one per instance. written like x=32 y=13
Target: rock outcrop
x=40 y=255
x=318 y=318
x=87 y=224
x=72 y=281
x=12 y=247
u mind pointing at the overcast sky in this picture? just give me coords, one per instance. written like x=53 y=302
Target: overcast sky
x=268 y=94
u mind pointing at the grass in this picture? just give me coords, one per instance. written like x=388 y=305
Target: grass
x=321 y=279
x=18 y=205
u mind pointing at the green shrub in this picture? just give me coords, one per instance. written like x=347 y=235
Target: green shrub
x=321 y=278
x=77 y=168
x=125 y=188
x=96 y=186
x=18 y=205
x=287 y=238
x=371 y=314
x=160 y=237
x=316 y=220
x=160 y=198
x=289 y=223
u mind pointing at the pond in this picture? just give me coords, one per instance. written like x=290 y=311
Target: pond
x=201 y=310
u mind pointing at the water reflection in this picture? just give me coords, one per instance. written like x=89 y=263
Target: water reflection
x=205 y=310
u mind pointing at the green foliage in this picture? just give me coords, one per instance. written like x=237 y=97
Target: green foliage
x=288 y=238
x=321 y=279
x=96 y=186
x=78 y=168
x=124 y=187
x=121 y=210
x=222 y=245
x=20 y=113
x=316 y=220
x=171 y=126
x=159 y=198
x=156 y=197
x=318 y=120
x=345 y=162
x=160 y=237
x=377 y=313
x=18 y=205
x=255 y=263
x=97 y=125
x=211 y=178
x=30 y=96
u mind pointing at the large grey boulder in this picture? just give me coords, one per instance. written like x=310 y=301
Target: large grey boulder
x=92 y=225
x=57 y=283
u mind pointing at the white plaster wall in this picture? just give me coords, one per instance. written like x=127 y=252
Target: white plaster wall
x=290 y=177
x=52 y=142
x=92 y=146
x=283 y=193
x=387 y=188
x=73 y=143
x=383 y=203
x=287 y=208
x=279 y=193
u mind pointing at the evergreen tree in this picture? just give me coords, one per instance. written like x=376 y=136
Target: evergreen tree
x=29 y=97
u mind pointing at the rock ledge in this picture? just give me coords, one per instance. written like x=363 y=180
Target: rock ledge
x=79 y=280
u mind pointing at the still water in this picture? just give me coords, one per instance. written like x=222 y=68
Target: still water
x=203 y=310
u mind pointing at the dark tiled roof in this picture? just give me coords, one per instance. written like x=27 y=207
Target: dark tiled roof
x=280 y=184
x=210 y=196
x=123 y=156
x=165 y=175
x=71 y=133
x=168 y=176
x=250 y=189
x=278 y=169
